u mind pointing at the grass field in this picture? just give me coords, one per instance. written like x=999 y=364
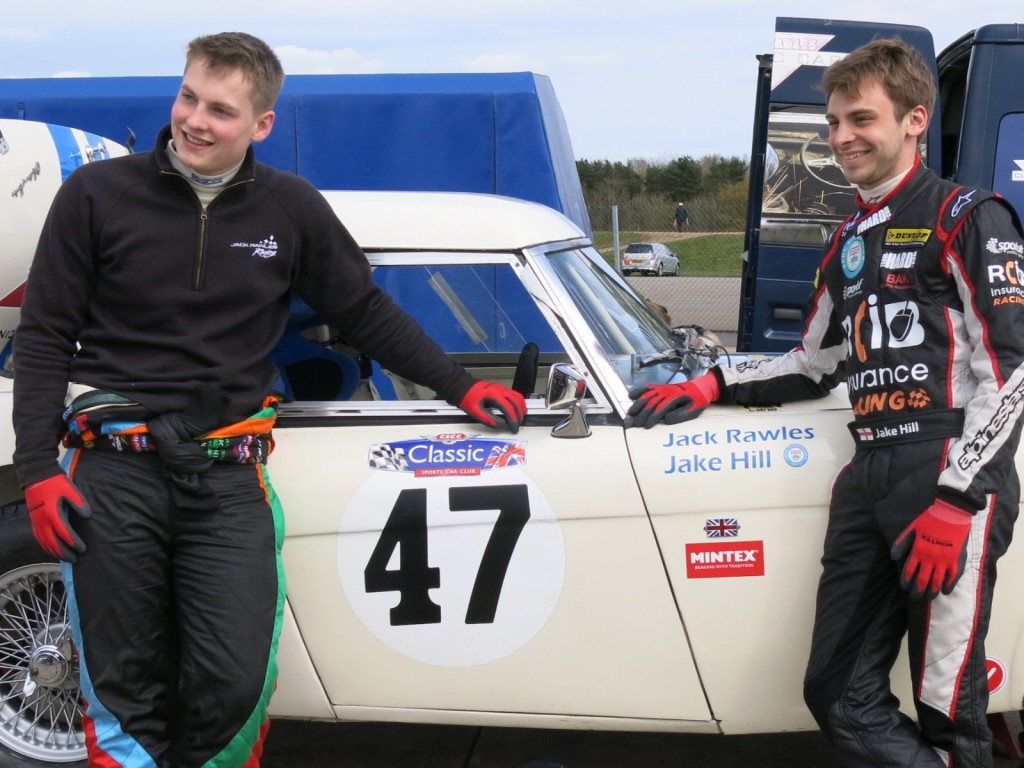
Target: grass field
x=699 y=256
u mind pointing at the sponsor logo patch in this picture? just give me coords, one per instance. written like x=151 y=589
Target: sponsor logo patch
x=876 y=218
x=717 y=560
x=264 y=249
x=853 y=257
x=886 y=402
x=961 y=201
x=1005 y=246
x=447 y=455
x=898 y=260
x=906 y=238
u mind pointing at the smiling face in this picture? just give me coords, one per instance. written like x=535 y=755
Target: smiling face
x=213 y=119
x=868 y=141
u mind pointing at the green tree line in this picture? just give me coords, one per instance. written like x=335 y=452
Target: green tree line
x=714 y=189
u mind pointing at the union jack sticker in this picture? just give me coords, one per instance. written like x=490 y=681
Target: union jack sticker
x=506 y=455
x=722 y=528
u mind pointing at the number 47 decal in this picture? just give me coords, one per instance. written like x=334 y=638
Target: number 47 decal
x=406 y=530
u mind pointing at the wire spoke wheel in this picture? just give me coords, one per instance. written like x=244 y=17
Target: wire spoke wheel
x=40 y=702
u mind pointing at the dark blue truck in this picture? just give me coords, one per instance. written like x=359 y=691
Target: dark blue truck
x=797 y=192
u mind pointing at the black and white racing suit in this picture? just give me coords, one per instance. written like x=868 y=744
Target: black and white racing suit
x=920 y=306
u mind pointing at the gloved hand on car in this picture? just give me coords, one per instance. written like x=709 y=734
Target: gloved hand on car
x=495 y=405
x=50 y=503
x=937 y=544
x=671 y=403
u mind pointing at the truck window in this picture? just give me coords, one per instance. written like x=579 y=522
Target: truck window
x=805 y=194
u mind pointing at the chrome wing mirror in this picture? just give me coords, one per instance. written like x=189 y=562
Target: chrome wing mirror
x=566 y=387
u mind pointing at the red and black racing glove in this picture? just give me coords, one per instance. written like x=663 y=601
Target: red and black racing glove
x=49 y=503
x=937 y=543
x=671 y=403
x=495 y=405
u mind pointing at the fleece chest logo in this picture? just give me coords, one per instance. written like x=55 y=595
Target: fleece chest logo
x=264 y=249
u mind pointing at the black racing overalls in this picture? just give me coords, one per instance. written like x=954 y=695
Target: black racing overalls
x=920 y=305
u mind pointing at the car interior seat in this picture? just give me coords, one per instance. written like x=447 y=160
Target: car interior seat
x=310 y=369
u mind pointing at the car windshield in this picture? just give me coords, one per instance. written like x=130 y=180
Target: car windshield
x=639 y=248
x=641 y=348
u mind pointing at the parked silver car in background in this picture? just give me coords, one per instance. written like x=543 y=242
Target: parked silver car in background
x=649 y=258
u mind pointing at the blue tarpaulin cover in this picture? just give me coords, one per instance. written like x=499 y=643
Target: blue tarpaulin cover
x=496 y=133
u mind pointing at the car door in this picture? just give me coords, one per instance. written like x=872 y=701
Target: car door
x=738 y=499
x=441 y=571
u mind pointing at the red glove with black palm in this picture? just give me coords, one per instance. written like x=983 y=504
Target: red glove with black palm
x=495 y=405
x=49 y=503
x=937 y=543
x=672 y=403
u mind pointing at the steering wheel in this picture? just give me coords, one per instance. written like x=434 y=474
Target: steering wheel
x=817 y=158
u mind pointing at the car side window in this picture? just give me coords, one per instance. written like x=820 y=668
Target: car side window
x=480 y=314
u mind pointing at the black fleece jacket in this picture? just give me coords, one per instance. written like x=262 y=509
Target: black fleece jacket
x=135 y=289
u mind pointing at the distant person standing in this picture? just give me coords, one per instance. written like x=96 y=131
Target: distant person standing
x=682 y=219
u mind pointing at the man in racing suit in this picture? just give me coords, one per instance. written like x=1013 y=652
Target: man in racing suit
x=919 y=304
x=160 y=284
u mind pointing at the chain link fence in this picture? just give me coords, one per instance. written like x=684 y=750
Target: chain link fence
x=706 y=291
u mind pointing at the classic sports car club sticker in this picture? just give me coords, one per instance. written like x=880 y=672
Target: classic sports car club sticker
x=449 y=553
x=447 y=454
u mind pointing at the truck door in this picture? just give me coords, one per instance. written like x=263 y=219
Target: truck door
x=797 y=193
x=982 y=114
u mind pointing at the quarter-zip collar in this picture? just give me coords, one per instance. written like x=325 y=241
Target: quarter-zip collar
x=205 y=187
x=244 y=172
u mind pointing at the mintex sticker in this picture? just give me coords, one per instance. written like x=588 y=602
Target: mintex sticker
x=720 y=559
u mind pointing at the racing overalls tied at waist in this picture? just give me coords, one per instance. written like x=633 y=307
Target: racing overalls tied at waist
x=177 y=600
x=188 y=442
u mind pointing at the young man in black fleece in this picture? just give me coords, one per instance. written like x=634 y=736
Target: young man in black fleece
x=160 y=285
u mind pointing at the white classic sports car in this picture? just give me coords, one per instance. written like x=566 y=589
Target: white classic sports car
x=574 y=575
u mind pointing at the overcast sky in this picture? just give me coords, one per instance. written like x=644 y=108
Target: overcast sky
x=654 y=79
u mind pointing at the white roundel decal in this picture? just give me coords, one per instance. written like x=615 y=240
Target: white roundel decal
x=448 y=559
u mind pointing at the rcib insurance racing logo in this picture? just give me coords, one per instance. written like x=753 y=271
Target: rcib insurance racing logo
x=447 y=454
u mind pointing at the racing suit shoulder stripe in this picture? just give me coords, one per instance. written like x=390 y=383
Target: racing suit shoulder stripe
x=940 y=230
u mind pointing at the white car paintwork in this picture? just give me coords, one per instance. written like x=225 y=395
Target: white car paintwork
x=636 y=640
